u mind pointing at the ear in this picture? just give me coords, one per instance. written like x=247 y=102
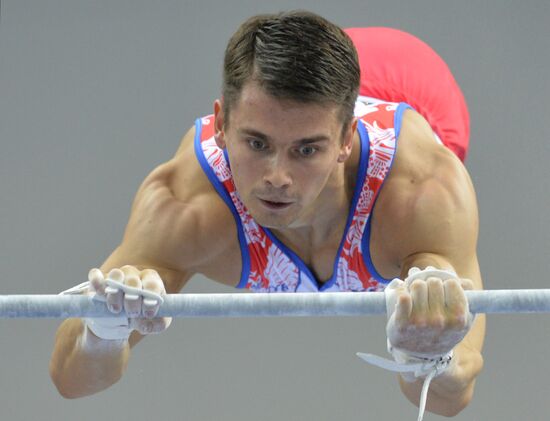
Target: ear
x=219 y=123
x=347 y=141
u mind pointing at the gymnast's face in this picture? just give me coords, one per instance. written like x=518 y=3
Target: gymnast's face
x=283 y=155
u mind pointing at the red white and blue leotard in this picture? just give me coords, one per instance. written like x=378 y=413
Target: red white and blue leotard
x=270 y=266
x=400 y=70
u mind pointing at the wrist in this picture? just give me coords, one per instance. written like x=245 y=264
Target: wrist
x=419 y=366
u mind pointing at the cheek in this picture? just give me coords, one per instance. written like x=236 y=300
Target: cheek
x=311 y=179
x=246 y=173
x=320 y=170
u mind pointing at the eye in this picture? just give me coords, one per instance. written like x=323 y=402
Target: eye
x=307 y=150
x=257 y=144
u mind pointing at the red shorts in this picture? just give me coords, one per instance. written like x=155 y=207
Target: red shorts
x=398 y=67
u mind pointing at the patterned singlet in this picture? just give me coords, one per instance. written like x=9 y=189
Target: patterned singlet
x=267 y=264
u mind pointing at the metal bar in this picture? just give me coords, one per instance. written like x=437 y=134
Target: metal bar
x=265 y=305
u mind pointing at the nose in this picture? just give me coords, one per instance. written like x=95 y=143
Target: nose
x=277 y=174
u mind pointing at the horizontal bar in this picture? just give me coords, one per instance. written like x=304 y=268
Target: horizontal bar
x=265 y=305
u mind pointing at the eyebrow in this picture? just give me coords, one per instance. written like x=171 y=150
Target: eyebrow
x=303 y=141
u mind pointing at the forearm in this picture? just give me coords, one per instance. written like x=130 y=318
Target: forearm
x=452 y=391
x=82 y=364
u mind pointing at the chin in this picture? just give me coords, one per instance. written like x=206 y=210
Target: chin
x=272 y=221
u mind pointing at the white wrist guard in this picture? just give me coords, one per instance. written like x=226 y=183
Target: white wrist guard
x=412 y=366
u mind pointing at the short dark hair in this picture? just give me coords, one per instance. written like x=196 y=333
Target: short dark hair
x=295 y=55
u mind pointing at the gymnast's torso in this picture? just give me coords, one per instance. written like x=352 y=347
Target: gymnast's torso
x=267 y=264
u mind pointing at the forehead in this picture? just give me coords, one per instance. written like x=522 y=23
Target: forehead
x=259 y=110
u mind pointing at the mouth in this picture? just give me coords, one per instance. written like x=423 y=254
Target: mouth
x=275 y=205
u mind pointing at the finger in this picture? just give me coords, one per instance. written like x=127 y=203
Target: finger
x=132 y=302
x=436 y=295
x=403 y=308
x=114 y=296
x=97 y=281
x=467 y=284
x=152 y=282
x=419 y=295
x=456 y=303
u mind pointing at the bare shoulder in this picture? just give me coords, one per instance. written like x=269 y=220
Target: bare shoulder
x=178 y=221
x=429 y=195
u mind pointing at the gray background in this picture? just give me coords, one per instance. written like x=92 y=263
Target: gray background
x=95 y=94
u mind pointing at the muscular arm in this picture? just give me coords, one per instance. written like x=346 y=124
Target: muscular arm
x=436 y=215
x=173 y=217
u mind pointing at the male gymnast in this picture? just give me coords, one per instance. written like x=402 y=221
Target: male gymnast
x=295 y=184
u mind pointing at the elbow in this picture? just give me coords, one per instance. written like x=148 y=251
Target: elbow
x=70 y=387
x=455 y=403
x=456 y=408
x=453 y=407
x=63 y=388
x=67 y=393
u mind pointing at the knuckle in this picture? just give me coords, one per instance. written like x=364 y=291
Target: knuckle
x=155 y=285
x=419 y=320
x=417 y=285
x=452 y=283
x=151 y=282
x=437 y=321
x=116 y=275
x=467 y=284
x=458 y=321
x=434 y=282
x=133 y=281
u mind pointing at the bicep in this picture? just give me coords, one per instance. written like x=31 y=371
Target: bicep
x=442 y=222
